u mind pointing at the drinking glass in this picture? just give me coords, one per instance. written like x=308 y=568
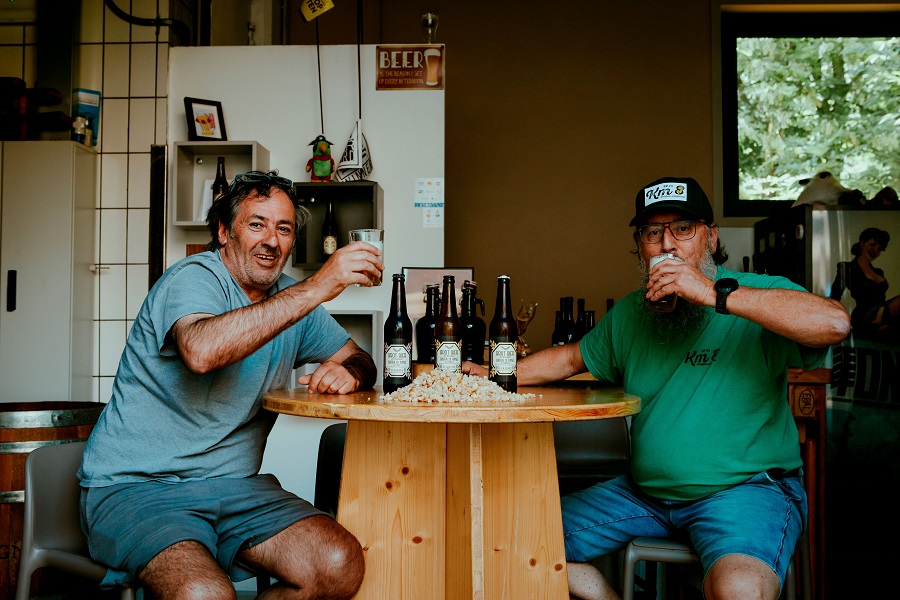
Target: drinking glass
x=370 y=236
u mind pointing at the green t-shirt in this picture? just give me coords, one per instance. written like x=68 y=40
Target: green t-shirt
x=714 y=408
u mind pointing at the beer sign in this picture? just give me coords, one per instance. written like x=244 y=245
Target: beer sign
x=409 y=67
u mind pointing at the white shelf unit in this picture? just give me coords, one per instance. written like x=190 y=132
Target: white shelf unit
x=195 y=163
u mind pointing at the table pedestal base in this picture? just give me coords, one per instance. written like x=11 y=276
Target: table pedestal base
x=451 y=511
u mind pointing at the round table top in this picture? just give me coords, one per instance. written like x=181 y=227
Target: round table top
x=548 y=404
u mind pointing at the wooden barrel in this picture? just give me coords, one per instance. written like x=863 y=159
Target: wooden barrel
x=25 y=426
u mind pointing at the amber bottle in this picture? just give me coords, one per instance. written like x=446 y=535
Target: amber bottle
x=503 y=335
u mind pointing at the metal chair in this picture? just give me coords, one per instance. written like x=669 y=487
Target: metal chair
x=51 y=535
x=673 y=551
x=328 y=468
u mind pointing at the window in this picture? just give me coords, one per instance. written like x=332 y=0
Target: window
x=803 y=93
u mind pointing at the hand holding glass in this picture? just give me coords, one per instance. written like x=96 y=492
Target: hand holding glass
x=370 y=236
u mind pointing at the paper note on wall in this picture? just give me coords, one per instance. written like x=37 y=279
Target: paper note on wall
x=429 y=196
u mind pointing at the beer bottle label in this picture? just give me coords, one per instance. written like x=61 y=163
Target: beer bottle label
x=448 y=355
x=330 y=244
x=398 y=360
x=503 y=358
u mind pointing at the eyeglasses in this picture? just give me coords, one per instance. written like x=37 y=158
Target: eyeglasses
x=251 y=178
x=652 y=233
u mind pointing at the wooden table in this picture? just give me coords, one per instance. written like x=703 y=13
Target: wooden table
x=453 y=501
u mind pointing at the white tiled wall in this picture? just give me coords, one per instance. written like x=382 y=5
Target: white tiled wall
x=128 y=65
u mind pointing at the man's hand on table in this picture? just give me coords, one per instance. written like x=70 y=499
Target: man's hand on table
x=470 y=368
x=330 y=378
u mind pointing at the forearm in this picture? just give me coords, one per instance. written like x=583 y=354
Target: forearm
x=361 y=366
x=551 y=364
x=211 y=342
x=803 y=317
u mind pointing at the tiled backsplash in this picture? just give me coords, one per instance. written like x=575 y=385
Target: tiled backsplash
x=128 y=65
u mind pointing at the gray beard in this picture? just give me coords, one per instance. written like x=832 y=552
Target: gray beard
x=686 y=318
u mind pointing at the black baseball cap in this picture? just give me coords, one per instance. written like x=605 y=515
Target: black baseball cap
x=678 y=193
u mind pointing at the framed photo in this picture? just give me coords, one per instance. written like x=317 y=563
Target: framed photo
x=204 y=120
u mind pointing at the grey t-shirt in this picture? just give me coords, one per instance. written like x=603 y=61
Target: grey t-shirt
x=166 y=423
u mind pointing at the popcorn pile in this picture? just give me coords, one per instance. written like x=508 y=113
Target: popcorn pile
x=439 y=386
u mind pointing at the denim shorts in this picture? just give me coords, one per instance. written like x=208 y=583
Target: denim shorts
x=128 y=524
x=762 y=517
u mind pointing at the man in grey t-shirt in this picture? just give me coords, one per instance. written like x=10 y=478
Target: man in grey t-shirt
x=172 y=498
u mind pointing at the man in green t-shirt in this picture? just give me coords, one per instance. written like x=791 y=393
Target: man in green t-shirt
x=715 y=452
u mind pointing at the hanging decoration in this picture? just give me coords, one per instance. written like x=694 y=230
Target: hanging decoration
x=310 y=9
x=356 y=162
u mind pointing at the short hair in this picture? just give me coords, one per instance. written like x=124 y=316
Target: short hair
x=225 y=208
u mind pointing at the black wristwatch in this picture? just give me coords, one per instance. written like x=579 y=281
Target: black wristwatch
x=723 y=288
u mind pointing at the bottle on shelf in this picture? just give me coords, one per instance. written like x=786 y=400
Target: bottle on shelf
x=558 y=338
x=579 y=321
x=448 y=331
x=329 y=232
x=503 y=335
x=425 y=325
x=398 y=337
x=609 y=304
x=568 y=319
x=474 y=327
x=220 y=183
x=589 y=321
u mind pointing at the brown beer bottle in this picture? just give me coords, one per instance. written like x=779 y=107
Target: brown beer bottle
x=398 y=336
x=503 y=335
x=473 y=326
x=425 y=325
x=448 y=331
x=329 y=232
x=220 y=183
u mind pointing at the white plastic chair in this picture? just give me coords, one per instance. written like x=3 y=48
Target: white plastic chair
x=51 y=535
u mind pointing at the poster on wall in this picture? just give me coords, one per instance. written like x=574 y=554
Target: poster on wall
x=405 y=67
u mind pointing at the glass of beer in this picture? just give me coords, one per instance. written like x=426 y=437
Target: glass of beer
x=370 y=236
x=666 y=303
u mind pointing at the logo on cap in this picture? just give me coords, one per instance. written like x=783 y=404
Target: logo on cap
x=672 y=191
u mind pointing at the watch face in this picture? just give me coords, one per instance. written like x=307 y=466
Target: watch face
x=726 y=285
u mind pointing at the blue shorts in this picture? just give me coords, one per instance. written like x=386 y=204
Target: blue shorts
x=762 y=517
x=128 y=524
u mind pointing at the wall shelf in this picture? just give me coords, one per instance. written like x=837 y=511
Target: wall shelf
x=195 y=163
x=357 y=205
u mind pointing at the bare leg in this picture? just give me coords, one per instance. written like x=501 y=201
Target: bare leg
x=739 y=576
x=313 y=558
x=586 y=582
x=186 y=570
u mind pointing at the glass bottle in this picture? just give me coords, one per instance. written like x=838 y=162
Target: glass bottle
x=579 y=322
x=425 y=325
x=568 y=321
x=474 y=327
x=398 y=336
x=558 y=338
x=503 y=335
x=220 y=183
x=448 y=331
x=329 y=232
x=589 y=321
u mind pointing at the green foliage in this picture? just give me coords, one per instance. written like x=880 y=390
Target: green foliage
x=817 y=104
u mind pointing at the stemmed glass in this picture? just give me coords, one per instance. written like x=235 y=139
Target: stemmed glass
x=523 y=318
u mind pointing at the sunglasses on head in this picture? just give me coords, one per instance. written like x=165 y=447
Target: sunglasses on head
x=251 y=178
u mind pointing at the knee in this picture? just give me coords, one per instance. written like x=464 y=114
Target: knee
x=344 y=568
x=202 y=590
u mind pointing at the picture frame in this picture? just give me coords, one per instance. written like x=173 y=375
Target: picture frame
x=205 y=120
